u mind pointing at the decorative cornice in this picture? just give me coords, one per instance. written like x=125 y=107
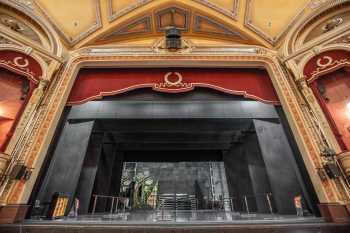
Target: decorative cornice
x=74 y=40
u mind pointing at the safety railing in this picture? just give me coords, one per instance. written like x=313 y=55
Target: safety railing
x=116 y=203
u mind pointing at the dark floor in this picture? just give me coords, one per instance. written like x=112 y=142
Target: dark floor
x=179 y=222
x=177 y=228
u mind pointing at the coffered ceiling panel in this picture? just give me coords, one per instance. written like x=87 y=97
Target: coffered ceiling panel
x=227 y=7
x=73 y=19
x=272 y=18
x=117 y=8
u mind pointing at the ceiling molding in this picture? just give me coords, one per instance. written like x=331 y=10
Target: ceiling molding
x=232 y=13
x=74 y=40
x=114 y=15
x=222 y=29
x=272 y=40
x=126 y=28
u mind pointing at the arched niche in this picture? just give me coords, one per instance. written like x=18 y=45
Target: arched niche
x=19 y=76
x=328 y=75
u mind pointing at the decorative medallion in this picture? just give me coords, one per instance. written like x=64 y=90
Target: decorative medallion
x=173 y=82
x=324 y=61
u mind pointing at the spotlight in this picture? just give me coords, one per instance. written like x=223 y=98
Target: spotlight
x=347 y=110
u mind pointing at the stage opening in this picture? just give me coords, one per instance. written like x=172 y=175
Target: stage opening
x=199 y=156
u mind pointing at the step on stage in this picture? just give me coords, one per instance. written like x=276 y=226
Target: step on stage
x=203 y=221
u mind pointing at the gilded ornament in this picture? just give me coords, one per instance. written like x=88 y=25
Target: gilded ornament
x=331 y=24
x=328 y=61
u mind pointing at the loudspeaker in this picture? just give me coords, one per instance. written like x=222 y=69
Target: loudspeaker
x=332 y=170
x=17 y=172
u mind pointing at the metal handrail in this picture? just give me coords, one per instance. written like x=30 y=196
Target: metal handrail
x=114 y=199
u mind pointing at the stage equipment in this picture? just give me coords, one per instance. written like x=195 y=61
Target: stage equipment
x=18 y=172
x=332 y=170
x=173 y=38
x=58 y=206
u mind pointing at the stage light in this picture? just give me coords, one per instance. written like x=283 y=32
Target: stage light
x=1 y=110
x=347 y=110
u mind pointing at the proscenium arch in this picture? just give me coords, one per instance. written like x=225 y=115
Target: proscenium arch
x=193 y=6
x=329 y=124
x=325 y=189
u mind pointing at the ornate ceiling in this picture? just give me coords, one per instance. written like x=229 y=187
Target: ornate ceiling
x=90 y=22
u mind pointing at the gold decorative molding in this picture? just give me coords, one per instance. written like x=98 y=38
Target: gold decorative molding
x=220 y=28
x=114 y=15
x=128 y=28
x=232 y=13
x=74 y=40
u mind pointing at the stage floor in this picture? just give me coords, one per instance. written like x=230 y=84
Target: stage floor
x=179 y=217
x=179 y=222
